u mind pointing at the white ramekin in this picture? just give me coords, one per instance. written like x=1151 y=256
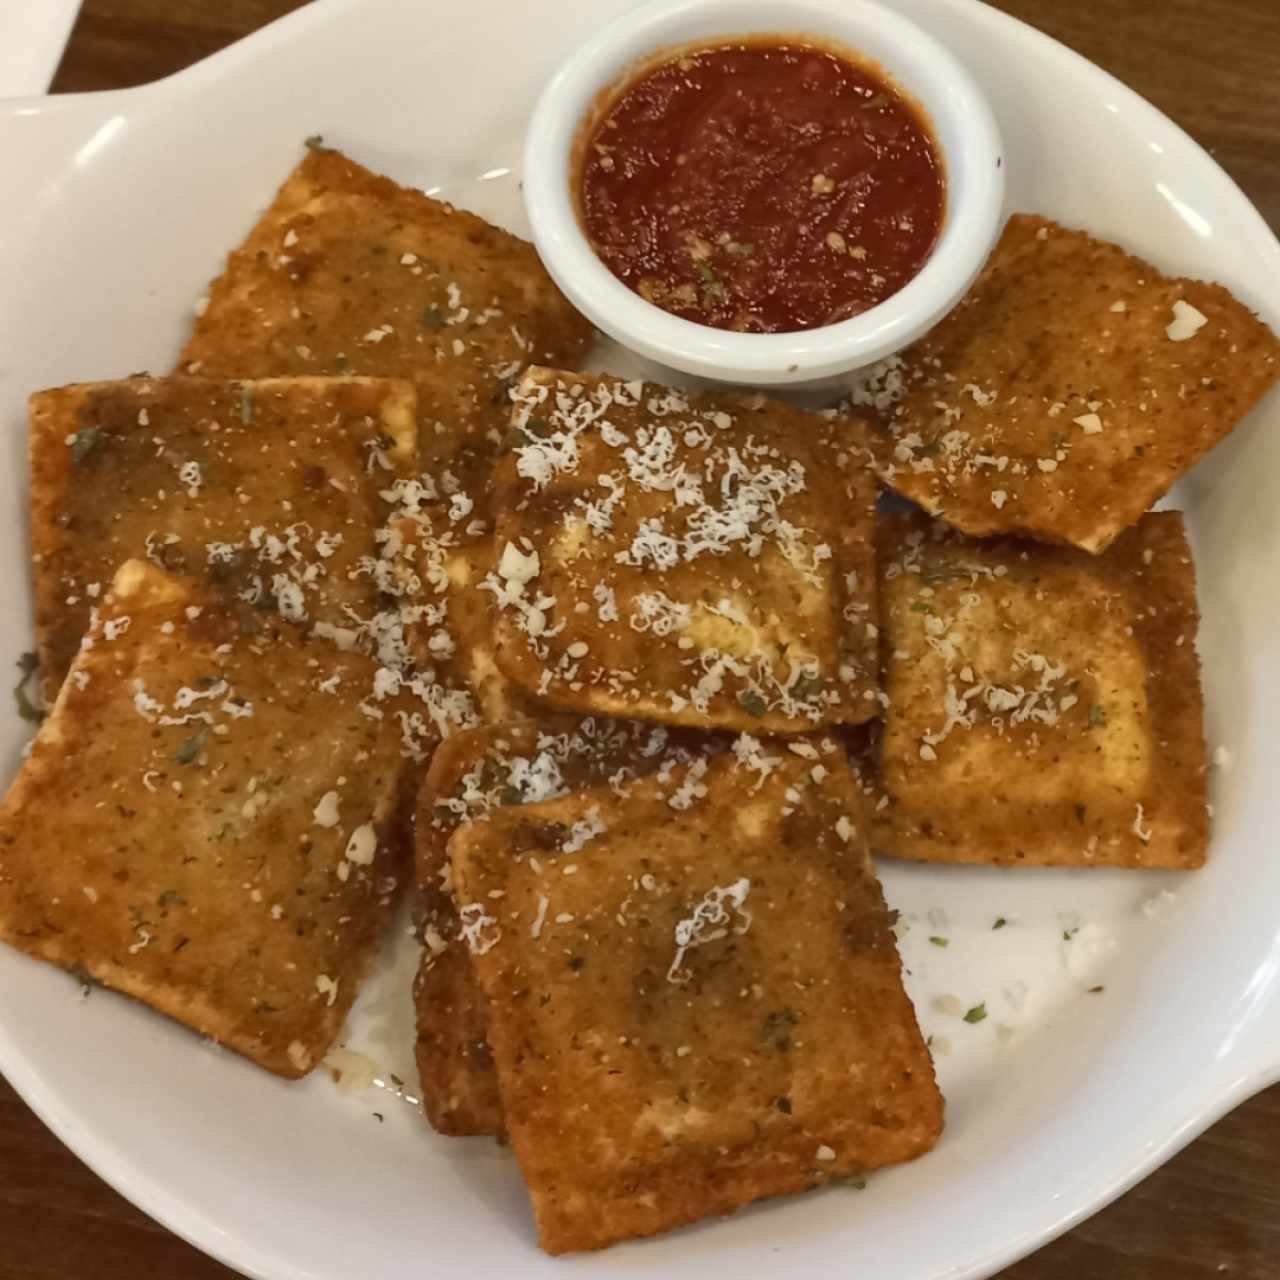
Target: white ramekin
x=963 y=126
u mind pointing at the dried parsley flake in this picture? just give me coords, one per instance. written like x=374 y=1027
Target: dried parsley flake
x=189 y=751
x=28 y=665
x=84 y=443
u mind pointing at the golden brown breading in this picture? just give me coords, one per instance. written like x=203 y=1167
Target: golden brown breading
x=1044 y=704
x=270 y=490
x=473 y=773
x=201 y=825
x=694 y=997
x=1068 y=391
x=348 y=272
x=701 y=560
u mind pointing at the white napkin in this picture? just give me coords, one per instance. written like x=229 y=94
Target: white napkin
x=32 y=36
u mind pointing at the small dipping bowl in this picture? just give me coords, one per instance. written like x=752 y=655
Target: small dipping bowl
x=920 y=68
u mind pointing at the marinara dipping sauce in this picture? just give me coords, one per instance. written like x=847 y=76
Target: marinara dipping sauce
x=762 y=186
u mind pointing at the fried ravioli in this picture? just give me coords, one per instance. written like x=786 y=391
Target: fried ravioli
x=206 y=822
x=348 y=272
x=1068 y=390
x=1044 y=704
x=693 y=559
x=693 y=993
x=269 y=489
x=473 y=773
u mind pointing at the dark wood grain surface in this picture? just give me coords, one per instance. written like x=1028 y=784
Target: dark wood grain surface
x=1214 y=1210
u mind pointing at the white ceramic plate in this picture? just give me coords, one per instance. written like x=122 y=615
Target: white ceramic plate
x=119 y=208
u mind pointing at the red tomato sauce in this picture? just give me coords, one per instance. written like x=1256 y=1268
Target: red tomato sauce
x=762 y=186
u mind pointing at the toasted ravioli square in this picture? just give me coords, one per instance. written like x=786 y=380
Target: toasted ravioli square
x=473 y=773
x=694 y=559
x=269 y=490
x=1044 y=704
x=693 y=994
x=1068 y=391
x=348 y=272
x=199 y=825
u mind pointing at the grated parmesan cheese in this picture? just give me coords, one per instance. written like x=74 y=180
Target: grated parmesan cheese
x=710 y=920
x=474 y=920
x=362 y=846
x=582 y=831
x=535 y=930
x=1186 y=322
x=325 y=814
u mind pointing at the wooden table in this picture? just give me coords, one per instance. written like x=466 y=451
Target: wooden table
x=1213 y=1211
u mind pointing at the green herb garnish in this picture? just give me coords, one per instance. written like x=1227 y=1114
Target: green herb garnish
x=82 y=975
x=752 y=703
x=776 y=1028
x=977 y=1013
x=711 y=286
x=1000 y=922
x=316 y=143
x=28 y=665
x=1080 y=811
x=919 y=607
x=855 y=1182
x=939 y=941
x=944 y=573
x=1094 y=991
x=805 y=688
x=191 y=747
x=1068 y=934
x=85 y=442
x=246 y=405
x=171 y=898
x=1097 y=716
x=433 y=318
